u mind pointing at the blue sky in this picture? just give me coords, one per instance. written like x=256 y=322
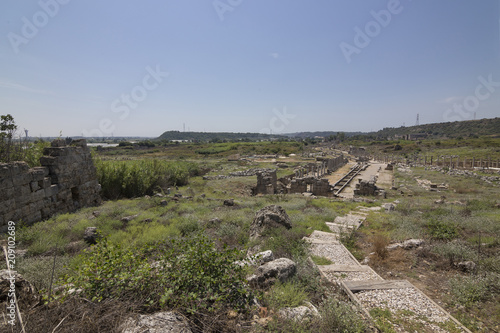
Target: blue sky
x=131 y=68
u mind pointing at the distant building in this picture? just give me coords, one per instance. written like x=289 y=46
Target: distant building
x=417 y=136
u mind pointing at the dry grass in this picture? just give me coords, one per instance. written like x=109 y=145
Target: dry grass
x=380 y=243
x=75 y=315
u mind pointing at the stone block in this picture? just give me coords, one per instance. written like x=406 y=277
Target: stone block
x=7 y=205
x=19 y=167
x=20 y=179
x=34 y=186
x=39 y=173
x=5 y=171
x=6 y=183
x=13 y=215
x=6 y=193
x=22 y=191
x=45 y=183
x=46 y=212
x=38 y=195
x=54 y=179
x=48 y=160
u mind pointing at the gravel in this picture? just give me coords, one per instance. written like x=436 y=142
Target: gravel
x=336 y=253
x=351 y=276
x=405 y=299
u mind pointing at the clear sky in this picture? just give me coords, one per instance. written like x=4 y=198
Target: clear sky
x=139 y=68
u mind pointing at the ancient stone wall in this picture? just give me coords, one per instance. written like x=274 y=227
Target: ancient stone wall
x=366 y=187
x=307 y=178
x=66 y=181
x=266 y=182
x=333 y=164
x=321 y=187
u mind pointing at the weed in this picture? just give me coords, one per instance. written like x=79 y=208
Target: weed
x=337 y=316
x=318 y=260
x=383 y=318
x=380 y=243
x=454 y=251
x=282 y=295
x=469 y=290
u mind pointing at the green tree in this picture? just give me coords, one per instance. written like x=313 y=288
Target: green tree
x=7 y=129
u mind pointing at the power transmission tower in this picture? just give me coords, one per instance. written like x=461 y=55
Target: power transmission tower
x=418 y=120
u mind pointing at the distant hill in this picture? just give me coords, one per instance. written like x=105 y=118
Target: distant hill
x=215 y=136
x=437 y=130
x=323 y=134
x=451 y=129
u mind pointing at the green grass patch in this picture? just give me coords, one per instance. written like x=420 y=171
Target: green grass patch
x=318 y=260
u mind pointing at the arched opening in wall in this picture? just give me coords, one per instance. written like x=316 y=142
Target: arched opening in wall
x=309 y=188
x=75 y=194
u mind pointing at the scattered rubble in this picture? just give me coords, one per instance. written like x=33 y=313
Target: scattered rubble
x=127 y=219
x=91 y=235
x=299 y=313
x=367 y=187
x=407 y=244
x=229 y=202
x=161 y=322
x=257 y=259
x=467 y=266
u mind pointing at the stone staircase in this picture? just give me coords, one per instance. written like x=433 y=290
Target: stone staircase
x=410 y=309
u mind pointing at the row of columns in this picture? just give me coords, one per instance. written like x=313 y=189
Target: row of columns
x=312 y=170
x=453 y=162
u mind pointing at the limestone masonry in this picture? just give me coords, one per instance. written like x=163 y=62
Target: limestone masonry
x=66 y=181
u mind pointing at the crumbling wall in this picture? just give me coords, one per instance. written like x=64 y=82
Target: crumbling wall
x=66 y=181
x=332 y=164
x=267 y=182
x=321 y=187
x=307 y=178
x=367 y=187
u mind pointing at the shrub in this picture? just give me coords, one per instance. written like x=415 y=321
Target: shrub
x=454 y=251
x=468 y=290
x=189 y=275
x=439 y=229
x=338 y=316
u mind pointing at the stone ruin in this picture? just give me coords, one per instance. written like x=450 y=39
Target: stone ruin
x=65 y=182
x=304 y=179
x=367 y=187
x=267 y=183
